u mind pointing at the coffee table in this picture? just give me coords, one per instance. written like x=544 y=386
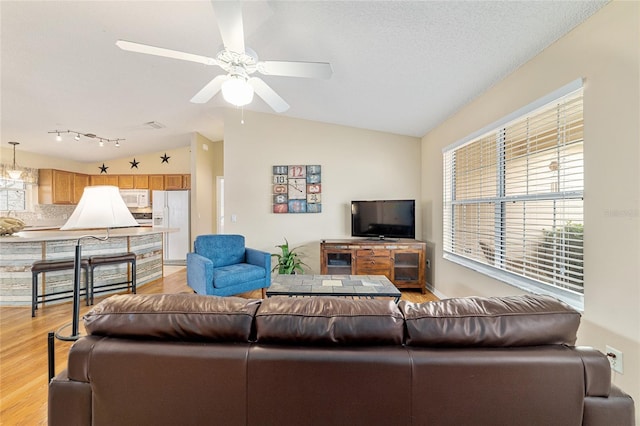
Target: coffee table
x=354 y=286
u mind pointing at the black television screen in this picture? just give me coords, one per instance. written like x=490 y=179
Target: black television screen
x=382 y=219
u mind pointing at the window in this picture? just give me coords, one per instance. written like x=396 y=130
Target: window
x=513 y=198
x=12 y=195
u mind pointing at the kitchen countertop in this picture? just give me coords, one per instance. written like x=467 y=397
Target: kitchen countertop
x=54 y=234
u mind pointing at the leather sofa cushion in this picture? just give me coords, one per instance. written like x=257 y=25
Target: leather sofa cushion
x=528 y=320
x=173 y=317
x=329 y=321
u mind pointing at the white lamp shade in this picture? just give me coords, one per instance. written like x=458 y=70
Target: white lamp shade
x=100 y=207
x=237 y=91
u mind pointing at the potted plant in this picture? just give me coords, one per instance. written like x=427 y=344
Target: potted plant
x=288 y=260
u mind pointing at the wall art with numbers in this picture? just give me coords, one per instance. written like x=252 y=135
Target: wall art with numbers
x=297 y=189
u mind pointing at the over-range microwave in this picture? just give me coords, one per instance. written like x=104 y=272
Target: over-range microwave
x=135 y=197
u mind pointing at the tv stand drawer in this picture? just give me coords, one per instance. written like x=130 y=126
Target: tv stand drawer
x=373 y=253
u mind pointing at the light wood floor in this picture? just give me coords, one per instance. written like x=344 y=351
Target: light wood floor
x=23 y=349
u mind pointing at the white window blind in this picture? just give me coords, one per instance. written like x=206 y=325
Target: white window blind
x=513 y=198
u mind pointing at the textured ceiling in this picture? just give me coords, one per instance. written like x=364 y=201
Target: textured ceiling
x=400 y=67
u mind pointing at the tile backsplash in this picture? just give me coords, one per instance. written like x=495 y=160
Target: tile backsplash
x=44 y=215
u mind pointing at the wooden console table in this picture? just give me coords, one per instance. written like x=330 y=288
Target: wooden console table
x=402 y=261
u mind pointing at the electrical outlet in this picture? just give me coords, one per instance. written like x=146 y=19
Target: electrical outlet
x=615 y=359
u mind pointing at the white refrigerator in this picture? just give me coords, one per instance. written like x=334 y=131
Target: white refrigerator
x=170 y=209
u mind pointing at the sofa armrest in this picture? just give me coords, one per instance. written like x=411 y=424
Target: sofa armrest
x=199 y=273
x=262 y=259
x=597 y=372
x=616 y=409
x=69 y=401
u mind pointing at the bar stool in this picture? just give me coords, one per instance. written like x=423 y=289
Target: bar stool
x=42 y=266
x=114 y=259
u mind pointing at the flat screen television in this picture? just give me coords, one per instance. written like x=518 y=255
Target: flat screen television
x=383 y=219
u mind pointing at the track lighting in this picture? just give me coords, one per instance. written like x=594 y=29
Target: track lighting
x=77 y=136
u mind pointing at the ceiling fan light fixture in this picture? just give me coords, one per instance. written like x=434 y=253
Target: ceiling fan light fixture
x=237 y=91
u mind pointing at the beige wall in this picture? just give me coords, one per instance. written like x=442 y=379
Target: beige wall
x=604 y=51
x=356 y=164
x=150 y=163
x=207 y=164
x=37 y=161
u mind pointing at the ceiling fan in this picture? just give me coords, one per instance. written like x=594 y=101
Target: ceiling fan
x=239 y=62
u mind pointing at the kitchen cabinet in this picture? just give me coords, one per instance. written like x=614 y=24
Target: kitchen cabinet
x=55 y=187
x=172 y=181
x=104 y=180
x=125 y=181
x=156 y=182
x=140 y=181
x=79 y=182
x=64 y=187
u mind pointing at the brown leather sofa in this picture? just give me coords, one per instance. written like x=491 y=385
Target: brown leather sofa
x=204 y=360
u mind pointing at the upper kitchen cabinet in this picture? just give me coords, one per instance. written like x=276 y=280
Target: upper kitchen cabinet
x=140 y=181
x=186 y=181
x=79 y=182
x=125 y=181
x=156 y=182
x=172 y=181
x=55 y=187
x=104 y=180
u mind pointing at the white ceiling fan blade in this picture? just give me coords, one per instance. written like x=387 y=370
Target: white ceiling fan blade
x=209 y=91
x=229 y=17
x=268 y=95
x=296 y=69
x=167 y=53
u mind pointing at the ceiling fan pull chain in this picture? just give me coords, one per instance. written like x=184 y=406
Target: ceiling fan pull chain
x=242 y=118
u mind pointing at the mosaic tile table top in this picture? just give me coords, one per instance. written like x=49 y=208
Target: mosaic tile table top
x=354 y=286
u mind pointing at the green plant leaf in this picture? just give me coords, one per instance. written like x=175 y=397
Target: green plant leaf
x=288 y=261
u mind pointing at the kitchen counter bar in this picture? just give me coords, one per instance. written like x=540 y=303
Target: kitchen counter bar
x=19 y=251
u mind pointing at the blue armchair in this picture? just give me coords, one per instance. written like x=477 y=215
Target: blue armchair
x=222 y=266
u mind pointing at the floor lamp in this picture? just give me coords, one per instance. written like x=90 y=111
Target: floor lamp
x=101 y=207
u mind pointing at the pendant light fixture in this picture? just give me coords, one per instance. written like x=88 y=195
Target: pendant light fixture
x=14 y=173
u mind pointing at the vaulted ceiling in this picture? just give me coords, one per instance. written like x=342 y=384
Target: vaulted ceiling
x=400 y=66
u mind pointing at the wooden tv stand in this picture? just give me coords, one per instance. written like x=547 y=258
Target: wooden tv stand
x=401 y=260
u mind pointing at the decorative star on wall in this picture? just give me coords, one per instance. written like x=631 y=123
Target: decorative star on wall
x=165 y=158
x=103 y=168
x=134 y=163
